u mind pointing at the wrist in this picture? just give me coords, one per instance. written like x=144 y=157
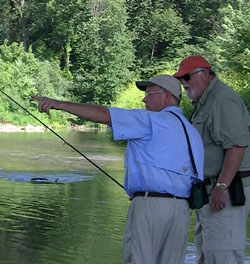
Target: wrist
x=221 y=186
x=60 y=105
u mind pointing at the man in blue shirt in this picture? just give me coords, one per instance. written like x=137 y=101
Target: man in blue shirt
x=159 y=173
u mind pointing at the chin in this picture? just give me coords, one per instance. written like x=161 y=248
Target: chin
x=190 y=95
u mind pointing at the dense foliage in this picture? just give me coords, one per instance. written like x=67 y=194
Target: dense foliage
x=93 y=50
x=21 y=76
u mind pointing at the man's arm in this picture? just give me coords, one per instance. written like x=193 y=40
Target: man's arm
x=94 y=113
x=232 y=161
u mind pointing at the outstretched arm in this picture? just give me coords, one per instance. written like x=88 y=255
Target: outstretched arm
x=94 y=113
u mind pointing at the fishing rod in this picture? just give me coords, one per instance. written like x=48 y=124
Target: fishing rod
x=65 y=142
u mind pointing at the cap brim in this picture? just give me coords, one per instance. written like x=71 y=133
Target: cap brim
x=143 y=85
x=181 y=73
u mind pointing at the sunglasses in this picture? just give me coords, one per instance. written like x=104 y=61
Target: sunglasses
x=188 y=76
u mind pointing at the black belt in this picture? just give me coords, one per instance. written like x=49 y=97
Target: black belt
x=155 y=194
x=243 y=174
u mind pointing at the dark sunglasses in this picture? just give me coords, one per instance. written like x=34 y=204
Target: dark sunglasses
x=187 y=76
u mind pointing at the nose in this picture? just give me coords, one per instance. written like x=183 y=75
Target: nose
x=182 y=81
x=144 y=99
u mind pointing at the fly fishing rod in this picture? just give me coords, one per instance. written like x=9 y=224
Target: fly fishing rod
x=65 y=142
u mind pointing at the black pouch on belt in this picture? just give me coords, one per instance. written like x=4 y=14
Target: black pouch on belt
x=198 y=196
x=236 y=191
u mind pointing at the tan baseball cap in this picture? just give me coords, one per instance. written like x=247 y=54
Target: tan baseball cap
x=166 y=82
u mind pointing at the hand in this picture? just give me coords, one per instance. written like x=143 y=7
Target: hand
x=218 y=199
x=45 y=104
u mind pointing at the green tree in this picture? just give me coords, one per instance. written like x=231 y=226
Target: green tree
x=21 y=76
x=230 y=50
x=47 y=26
x=9 y=21
x=204 y=18
x=158 y=33
x=103 y=54
x=55 y=31
x=233 y=44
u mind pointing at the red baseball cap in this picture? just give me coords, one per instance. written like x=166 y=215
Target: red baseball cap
x=190 y=63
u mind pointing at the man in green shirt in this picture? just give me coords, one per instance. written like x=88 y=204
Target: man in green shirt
x=223 y=122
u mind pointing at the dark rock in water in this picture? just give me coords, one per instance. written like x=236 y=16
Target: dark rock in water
x=43 y=180
x=39 y=180
x=54 y=178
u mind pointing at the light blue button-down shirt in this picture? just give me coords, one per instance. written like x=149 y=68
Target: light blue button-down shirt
x=157 y=157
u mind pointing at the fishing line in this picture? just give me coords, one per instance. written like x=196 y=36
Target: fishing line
x=65 y=142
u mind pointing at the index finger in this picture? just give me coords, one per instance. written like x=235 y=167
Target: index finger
x=35 y=98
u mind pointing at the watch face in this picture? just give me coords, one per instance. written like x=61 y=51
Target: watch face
x=221 y=186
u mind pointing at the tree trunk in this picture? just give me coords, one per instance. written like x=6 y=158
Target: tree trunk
x=153 y=50
x=67 y=55
x=19 y=4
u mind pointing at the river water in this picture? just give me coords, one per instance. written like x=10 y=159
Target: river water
x=77 y=215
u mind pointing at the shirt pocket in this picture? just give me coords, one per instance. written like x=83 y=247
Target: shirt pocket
x=202 y=125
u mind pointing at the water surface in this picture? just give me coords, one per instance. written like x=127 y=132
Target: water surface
x=78 y=221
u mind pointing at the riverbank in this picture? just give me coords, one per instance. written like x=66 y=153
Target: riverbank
x=13 y=128
x=30 y=128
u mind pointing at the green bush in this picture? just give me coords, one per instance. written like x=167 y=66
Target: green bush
x=21 y=76
x=239 y=82
x=131 y=98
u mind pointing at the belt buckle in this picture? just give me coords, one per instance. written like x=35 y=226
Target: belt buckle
x=146 y=195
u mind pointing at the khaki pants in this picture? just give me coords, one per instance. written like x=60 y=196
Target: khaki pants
x=156 y=231
x=220 y=237
x=247 y=195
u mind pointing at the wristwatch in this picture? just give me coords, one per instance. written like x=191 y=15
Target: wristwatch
x=221 y=186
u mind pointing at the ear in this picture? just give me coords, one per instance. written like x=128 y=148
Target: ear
x=167 y=98
x=205 y=75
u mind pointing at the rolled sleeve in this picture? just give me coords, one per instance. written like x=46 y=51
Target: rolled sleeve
x=228 y=125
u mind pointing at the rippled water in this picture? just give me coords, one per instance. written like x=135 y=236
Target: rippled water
x=77 y=219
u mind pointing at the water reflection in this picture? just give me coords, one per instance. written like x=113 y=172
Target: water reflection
x=74 y=222
x=60 y=223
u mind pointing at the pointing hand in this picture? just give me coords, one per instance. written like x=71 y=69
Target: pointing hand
x=45 y=103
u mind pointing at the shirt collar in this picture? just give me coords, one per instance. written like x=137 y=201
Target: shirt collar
x=172 y=108
x=204 y=96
